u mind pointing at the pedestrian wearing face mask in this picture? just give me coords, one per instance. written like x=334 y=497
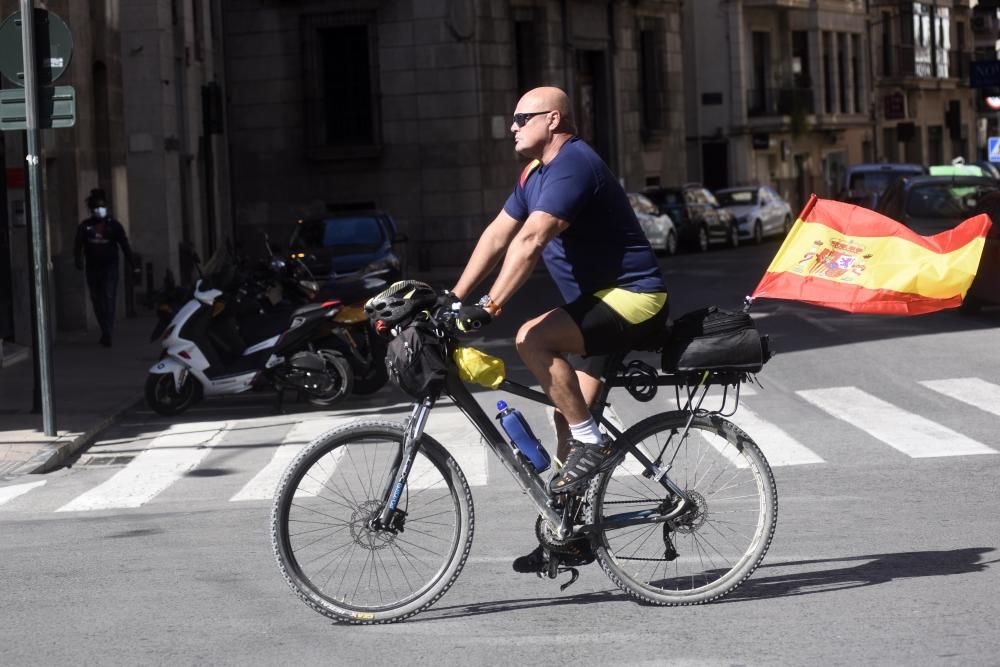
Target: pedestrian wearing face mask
x=97 y=240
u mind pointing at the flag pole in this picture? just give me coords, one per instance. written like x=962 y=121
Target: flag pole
x=806 y=210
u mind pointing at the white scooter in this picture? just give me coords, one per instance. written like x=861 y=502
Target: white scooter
x=209 y=352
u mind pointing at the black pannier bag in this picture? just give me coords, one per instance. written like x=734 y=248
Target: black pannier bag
x=415 y=360
x=711 y=339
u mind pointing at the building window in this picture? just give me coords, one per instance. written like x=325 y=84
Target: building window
x=529 y=48
x=197 y=28
x=935 y=144
x=652 y=91
x=922 y=58
x=942 y=41
x=341 y=94
x=856 y=69
x=761 y=94
x=800 y=99
x=802 y=77
x=890 y=145
x=887 y=69
x=912 y=145
x=843 y=75
x=828 y=83
x=960 y=66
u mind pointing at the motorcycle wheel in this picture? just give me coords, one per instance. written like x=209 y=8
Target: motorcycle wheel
x=163 y=397
x=341 y=374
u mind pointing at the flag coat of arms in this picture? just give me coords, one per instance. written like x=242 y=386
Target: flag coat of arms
x=851 y=258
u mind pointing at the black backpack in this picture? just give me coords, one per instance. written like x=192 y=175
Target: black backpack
x=416 y=360
x=711 y=339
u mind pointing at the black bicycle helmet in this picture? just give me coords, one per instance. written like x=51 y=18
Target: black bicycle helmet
x=401 y=301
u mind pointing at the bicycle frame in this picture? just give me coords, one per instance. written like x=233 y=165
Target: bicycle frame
x=531 y=482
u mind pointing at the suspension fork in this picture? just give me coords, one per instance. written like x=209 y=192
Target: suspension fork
x=412 y=432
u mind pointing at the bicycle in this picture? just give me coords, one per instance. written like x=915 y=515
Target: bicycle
x=373 y=521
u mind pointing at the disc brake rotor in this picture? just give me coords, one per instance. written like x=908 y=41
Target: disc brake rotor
x=693 y=519
x=363 y=536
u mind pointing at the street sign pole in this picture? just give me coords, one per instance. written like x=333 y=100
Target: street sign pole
x=36 y=200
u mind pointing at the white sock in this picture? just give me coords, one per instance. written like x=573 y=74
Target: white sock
x=586 y=432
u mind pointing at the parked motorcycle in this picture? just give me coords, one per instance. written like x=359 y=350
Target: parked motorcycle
x=350 y=330
x=220 y=342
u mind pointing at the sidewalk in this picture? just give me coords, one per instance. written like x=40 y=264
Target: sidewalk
x=93 y=386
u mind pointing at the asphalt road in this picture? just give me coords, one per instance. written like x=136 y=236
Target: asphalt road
x=885 y=552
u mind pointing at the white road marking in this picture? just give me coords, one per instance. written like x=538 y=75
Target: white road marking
x=780 y=449
x=446 y=424
x=977 y=393
x=8 y=493
x=911 y=434
x=265 y=482
x=453 y=430
x=169 y=456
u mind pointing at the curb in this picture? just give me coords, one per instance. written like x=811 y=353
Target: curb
x=55 y=455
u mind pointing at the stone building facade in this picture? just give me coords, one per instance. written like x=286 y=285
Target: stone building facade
x=803 y=89
x=147 y=78
x=405 y=105
x=925 y=111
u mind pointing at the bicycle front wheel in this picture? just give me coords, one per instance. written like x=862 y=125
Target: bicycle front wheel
x=325 y=547
x=704 y=552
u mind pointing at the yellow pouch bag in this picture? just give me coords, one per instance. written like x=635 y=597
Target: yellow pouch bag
x=478 y=367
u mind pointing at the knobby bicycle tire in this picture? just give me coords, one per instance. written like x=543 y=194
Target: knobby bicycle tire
x=716 y=546
x=319 y=524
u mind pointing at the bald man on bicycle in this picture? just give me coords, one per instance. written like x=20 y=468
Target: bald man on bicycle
x=568 y=209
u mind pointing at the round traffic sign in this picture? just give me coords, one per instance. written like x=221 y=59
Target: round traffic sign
x=53 y=48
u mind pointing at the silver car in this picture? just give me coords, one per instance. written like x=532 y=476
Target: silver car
x=658 y=227
x=759 y=211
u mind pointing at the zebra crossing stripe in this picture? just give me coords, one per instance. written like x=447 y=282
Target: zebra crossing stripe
x=909 y=433
x=453 y=430
x=780 y=449
x=167 y=459
x=973 y=391
x=447 y=425
x=265 y=482
x=8 y=493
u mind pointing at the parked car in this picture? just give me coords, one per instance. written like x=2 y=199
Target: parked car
x=658 y=227
x=864 y=183
x=699 y=219
x=347 y=244
x=989 y=169
x=758 y=209
x=932 y=204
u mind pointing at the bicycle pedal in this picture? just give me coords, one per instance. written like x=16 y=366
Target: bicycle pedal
x=574 y=574
x=553 y=566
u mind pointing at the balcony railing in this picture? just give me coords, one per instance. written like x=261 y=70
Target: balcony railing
x=779 y=101
x=924 y=62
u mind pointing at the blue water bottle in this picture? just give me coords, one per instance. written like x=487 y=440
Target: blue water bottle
x=519 y=432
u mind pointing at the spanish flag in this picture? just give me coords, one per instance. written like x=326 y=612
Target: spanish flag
x=850 y=258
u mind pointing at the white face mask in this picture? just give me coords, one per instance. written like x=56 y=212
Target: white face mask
x=101 y=212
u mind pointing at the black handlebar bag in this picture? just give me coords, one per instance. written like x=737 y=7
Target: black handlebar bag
x=711 y=339
x=416 y=360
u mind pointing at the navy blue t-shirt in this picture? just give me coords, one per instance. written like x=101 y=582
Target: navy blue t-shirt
x=604 y=246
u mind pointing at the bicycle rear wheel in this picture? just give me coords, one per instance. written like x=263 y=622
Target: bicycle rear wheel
x=706 y=552
x=328 y=553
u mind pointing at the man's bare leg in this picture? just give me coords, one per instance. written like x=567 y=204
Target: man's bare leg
x=542 y=343
x=590 y=387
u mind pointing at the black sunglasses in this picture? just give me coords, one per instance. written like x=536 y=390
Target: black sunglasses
x=521 y=119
